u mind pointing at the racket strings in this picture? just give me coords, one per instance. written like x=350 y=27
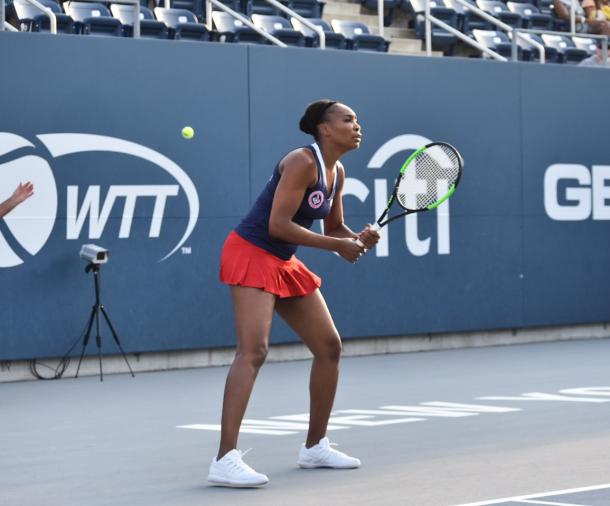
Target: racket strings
x=429 y=177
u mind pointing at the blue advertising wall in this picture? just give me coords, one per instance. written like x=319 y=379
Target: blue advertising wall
x=95 y=124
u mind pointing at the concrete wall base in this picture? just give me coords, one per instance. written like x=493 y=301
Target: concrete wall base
x=169 y=360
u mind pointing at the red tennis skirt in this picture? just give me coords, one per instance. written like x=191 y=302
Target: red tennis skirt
x=244 y=264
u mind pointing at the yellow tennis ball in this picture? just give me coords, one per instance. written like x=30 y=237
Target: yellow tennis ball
x=188 y=132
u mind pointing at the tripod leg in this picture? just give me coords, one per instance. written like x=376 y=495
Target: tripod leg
x=116 y=339
x=98 y=339
x=86 y=340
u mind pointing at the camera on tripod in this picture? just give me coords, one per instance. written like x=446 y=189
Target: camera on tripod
x=94 y=254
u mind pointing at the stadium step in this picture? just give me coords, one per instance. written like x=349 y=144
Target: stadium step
x=411 y=47
x=405 y=46
x=395 y=33
x=402 y=38
x=368 y=20
x=339 y=9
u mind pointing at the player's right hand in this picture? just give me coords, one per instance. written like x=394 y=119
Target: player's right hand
x=350 y=250
x=23 y=191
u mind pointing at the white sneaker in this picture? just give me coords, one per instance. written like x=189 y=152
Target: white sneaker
x=232 y=471
x=323 y=455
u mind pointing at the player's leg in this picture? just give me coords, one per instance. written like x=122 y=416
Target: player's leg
x=309 y=317
x=253 y=314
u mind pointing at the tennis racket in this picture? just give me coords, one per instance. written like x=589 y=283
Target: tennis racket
x=427 y=178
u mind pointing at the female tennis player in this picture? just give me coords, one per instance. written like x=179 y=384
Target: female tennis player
x=258 y=263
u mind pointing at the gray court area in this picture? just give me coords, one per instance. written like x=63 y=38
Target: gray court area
x=432 y=429
x=588 y=496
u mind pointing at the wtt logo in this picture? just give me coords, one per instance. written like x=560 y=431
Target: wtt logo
x=31 y=223
x=587 y=198
x=382 y=188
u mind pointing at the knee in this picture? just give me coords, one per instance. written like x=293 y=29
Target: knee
x=331 y=349
x=254 y=356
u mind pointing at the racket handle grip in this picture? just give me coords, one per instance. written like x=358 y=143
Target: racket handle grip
x=375 y=227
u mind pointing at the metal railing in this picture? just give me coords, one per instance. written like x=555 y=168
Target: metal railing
x=267 y=35
x=48 y=12
x=240 y=17
x=430 y=20
x=603 y=38
x=495 y=21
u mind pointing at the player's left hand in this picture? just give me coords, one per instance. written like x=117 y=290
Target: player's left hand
x=369 y=237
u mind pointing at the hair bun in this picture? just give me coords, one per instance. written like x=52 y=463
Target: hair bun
x=306 y=126
x=314 y=115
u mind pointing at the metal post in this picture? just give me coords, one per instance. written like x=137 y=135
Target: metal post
x=48 y=12
x=208 y=14
x=380 y=15
x=136 y=19
x=428 y=30
x=514 y=54
x=573 y=16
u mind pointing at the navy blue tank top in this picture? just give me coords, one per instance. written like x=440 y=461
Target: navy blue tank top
x=316 y=205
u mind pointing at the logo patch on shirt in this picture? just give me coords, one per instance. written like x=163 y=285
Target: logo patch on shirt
x=316 y=199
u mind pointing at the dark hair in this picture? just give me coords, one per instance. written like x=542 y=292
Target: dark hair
x=314 y=115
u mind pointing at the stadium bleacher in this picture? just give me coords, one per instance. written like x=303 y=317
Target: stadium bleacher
x=281 y=28
x=149 y=26
x=182 y=24
x=333 y=39
x=348 y=25
x=93 y=19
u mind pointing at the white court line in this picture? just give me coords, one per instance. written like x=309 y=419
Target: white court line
x=534 y=496
x=550 y=503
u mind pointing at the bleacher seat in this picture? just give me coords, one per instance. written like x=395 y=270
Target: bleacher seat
x=182 y=24
x=530 y=52
x=261 y=7
x=442 y=40
x=359 y=36
x=307 y=8
x=388 y=9
x=197 y=7
x=333 y=40
x=500 y=10
x=93 y=19
x=532 y=17
x=149 y=26
x=280 y=28
x=494 y=40
x=545 y=6
x=468 y=20
x=568 y=52
x=235 y=5
x=32 y=19
x=233 y=30
x=586 y=43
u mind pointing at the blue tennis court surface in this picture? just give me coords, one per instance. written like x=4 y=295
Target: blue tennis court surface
x=598 y=495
